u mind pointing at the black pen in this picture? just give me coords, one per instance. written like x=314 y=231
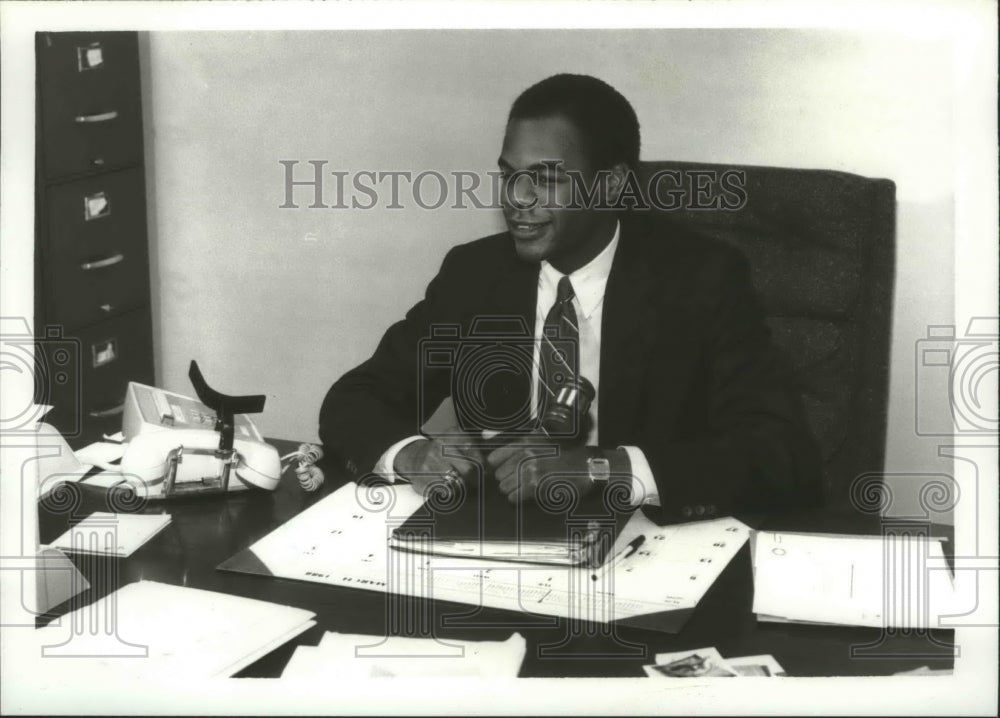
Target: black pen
x=626 y=551
x=631 y=548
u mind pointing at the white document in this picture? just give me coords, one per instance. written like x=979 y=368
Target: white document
x=112 y=534
x=362 y=656
x=877 y=581
x=105 y=454
x=160 y=631
x=343 y=540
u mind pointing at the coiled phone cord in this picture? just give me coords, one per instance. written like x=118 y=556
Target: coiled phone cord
x=309 y=475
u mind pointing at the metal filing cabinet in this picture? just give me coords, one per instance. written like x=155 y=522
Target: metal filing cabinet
x=92 y=291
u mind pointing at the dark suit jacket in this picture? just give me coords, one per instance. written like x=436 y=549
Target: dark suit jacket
x=688 y=372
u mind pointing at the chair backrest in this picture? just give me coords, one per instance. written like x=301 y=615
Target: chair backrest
x=821 y=245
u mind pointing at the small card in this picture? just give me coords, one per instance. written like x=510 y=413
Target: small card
x=763 y=665
x=112 y=534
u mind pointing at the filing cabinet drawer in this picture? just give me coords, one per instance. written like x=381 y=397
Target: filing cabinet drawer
x=96 y=256
x=97 y=215
x=87 y=372
x=90 y=291
x=89 y=101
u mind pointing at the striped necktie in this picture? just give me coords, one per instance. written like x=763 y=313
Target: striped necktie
x=559 y=353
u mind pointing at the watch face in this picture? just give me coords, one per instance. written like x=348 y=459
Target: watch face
x=599 y=468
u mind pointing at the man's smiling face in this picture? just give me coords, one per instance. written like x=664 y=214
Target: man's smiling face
x=540 y=214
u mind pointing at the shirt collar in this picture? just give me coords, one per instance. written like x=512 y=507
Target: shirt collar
x=590 y=280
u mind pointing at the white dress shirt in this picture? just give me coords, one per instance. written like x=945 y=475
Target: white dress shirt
x=589 y=283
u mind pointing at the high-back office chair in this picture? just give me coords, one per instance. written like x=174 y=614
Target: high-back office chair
x=821 y=248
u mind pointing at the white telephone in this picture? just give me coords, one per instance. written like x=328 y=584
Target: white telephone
x=180 y=446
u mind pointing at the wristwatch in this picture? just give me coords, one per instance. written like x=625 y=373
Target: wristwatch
x=599 y=468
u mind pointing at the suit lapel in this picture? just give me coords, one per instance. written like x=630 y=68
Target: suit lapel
x=514 y=293
x=510 y=312
x=629 y=326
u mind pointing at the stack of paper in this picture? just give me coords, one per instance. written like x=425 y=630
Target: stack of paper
x=159 y=631
x=359 y=656
x=879 y=581
x=112 y=534
x=707 y=662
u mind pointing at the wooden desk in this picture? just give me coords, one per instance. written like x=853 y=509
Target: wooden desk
x=205 y=531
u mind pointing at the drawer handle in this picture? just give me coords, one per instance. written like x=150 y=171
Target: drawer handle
x=101 y=263
x=104 y=413
x=99 y=117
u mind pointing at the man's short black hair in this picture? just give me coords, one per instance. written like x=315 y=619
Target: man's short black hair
x=602 y=115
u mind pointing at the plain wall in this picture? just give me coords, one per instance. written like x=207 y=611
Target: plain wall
x=283 y=301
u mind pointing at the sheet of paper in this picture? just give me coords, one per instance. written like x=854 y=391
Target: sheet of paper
x=343 y=540
x=380 y=656
x=102 y=453
x=154 y=630
x=311 y=664
x=112 y=534
x=890 y=581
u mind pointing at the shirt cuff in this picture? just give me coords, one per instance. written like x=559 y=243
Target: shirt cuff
x=385 y=466
x=643 y=485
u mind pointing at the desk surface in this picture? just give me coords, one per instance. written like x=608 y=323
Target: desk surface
x=206 y=531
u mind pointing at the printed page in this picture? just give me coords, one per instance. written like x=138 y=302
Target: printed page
x=150 y=629
x=855 y=580
x=111 y=533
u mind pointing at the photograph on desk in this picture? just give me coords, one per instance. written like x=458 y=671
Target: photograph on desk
x=554 y=347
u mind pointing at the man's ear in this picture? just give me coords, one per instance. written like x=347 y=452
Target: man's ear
x=616 y=182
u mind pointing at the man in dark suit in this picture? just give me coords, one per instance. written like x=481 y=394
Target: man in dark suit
x=694 y=411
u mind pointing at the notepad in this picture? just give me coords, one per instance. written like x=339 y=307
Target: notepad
x=162 y=632
x=112 y=534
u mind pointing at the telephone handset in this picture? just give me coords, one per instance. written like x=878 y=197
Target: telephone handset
x=179 y=446
x=189 y=460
